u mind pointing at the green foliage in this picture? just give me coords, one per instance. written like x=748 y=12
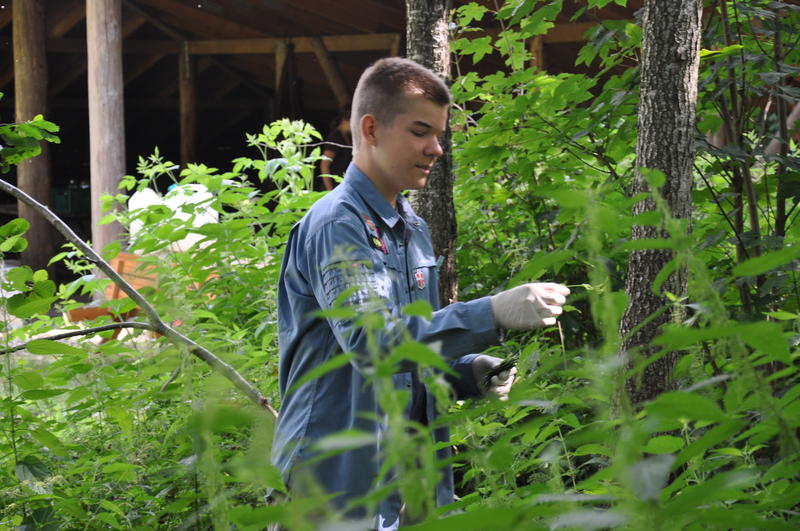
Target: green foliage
x=134 y=433
x=24 y=140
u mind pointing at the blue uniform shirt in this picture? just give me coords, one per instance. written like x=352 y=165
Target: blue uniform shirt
x=353 y=244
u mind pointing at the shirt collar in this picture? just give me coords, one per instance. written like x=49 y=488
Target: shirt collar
x=372 y=197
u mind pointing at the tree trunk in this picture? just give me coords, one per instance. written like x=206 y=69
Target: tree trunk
x=106 y=116
x=427 y=42
x=670 y=59
x=30 y=99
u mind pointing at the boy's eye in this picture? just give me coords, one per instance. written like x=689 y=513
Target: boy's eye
x=418 y=133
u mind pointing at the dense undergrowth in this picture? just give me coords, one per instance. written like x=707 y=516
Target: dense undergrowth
x=135 y=433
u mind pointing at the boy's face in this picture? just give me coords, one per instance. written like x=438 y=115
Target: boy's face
x=400 y=154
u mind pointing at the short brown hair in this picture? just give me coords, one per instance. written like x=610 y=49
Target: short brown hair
x=384 y=86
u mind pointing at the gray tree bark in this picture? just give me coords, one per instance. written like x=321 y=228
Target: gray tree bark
x=30 y=99
x=670 y=60
x=427 y=42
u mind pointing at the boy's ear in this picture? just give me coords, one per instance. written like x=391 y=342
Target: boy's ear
x=367 y=127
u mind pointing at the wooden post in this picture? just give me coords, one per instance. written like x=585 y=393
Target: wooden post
x=536 y=47
x=281 y=49
x=30 y=99
x=331 y=72
x=106 y=111
x=394 y=48
x=188 y=105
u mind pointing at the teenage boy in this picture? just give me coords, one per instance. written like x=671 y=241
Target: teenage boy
x=363 y=247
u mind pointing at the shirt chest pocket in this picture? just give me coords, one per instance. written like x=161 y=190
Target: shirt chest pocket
x=423 y=281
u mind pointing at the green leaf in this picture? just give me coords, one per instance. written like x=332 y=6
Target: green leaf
x=677 y=405
x=13 y=244
x=28 y=380
x=31 y=468
x=50 y=441
x=419 y=308
x=42 y=394
x=540 y=264
x=764 y=336
x=592 y=449
x=345 y=440
x=762 y=264
x=111 y=506
x=468 y=13
x=663 y=444
x=418 y=353
x=121 y=471
x=48 y=347
x=15 y=226
x=25 y=306
x=18 y=276
x=783 y=316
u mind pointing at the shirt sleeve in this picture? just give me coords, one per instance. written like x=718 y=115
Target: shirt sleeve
x=348 y=281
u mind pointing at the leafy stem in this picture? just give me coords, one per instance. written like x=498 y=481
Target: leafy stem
x=154 y=319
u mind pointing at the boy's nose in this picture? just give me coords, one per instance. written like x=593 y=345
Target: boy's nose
x=435 y=148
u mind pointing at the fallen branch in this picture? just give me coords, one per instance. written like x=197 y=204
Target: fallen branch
x=155 y=321
x=83 y=332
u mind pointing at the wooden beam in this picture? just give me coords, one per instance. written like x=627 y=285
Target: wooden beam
x=231 y=120
x=263 y=21
x=8 y=74
x=367 y=17
x=331 y=72
x=30 y=90
x=208 y=23
x=78 y=68
x=157 y=104
x=106 y=112
x=228 y=85
x=178 y=36
x=5 y=17
x=169 y=89
x=333 y=43
x=141 y=67
x=66 y=17
x=188 y=106
x=570 y=32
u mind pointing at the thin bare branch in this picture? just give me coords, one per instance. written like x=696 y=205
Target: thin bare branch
x=157 y=324
x=82 y=332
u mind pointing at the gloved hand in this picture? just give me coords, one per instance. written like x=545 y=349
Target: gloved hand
x=529 y=305
x=499 y=384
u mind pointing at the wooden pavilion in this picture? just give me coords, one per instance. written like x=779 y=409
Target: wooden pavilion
x=121 y=77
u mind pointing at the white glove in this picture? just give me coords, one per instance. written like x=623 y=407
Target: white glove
x=529 y=306
x=499 y=384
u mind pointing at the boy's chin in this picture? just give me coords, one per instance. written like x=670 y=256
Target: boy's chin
x=419 y=184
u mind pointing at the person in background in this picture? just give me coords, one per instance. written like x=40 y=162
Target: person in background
x=337 y=152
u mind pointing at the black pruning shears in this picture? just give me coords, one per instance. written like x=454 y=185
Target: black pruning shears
x=505 y=365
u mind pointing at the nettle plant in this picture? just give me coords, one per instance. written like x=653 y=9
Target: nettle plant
x=543 y=164
x=134 y=432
